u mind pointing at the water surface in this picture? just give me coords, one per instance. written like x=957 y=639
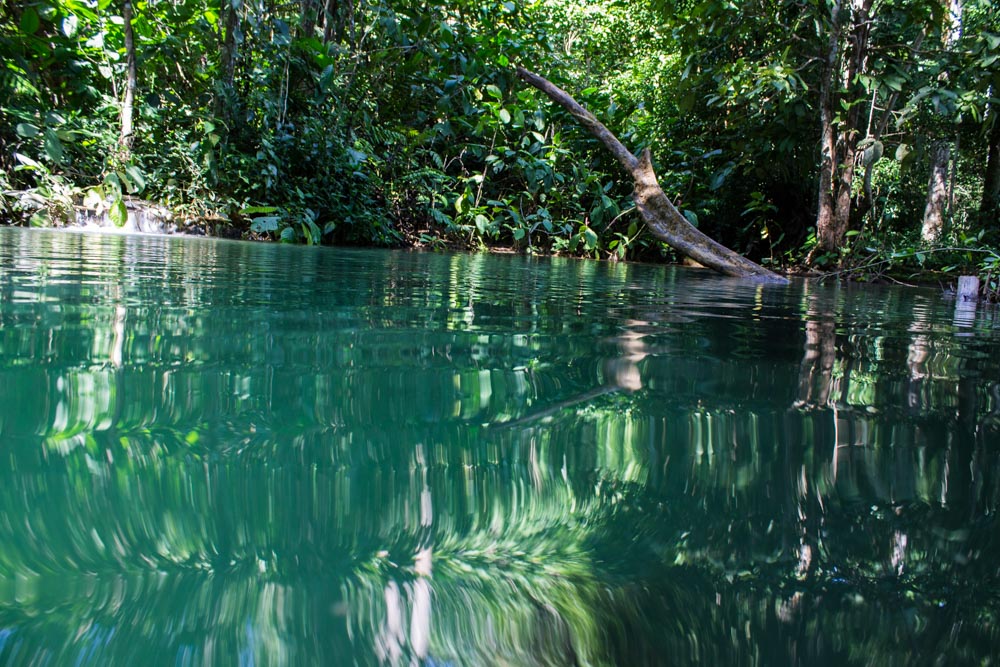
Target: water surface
x=217 y=453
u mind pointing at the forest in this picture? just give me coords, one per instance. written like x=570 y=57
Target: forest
x=858 y=137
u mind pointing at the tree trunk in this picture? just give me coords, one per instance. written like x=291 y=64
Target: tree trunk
x=329 y=21
x=989 y=207
x=848 y=141
x=826 y=235
x=224 y=100
x=937 y=194
x=661 y=216
x=128 y=104
x=840 y=145
x=937 y=187
x=311 y=11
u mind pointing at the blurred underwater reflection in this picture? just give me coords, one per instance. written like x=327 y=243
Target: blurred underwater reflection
x=219 y=453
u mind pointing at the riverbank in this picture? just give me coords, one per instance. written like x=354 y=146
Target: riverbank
x=912 y=267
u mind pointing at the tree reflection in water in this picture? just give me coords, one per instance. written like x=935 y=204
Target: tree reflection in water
x=290 y=457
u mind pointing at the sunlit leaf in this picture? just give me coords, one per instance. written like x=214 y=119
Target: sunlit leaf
x=69 y=25
x=249 y=210
x=40 y=218
x=118 y=213
x=94 y=198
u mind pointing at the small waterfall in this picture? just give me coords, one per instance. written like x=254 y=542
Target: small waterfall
x=143 y=216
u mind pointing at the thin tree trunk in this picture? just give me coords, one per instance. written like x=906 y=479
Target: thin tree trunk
x=825 y=232
x=224 y=99
x=128 y=104
x=848 y=140
x=937 y=186
x=329 y=21
x=989 y=207
x=952 y=177
x=661 y=216
x=310 y=14
x=937 y=194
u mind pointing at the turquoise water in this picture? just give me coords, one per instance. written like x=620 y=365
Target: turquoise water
x=216 y=453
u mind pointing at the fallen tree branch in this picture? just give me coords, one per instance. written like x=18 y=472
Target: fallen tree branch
x=661 y=216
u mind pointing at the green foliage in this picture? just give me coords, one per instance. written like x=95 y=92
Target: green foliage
x=397 y=123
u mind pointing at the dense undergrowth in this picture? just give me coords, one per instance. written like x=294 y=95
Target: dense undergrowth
x=398 y=123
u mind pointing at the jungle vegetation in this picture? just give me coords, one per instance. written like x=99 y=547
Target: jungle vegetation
x=851 y=135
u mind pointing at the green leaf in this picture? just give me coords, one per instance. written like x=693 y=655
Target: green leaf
x=589 y=238
x=53 y=147
x=873 y=153
x=310 y=230
x=137 y=179
x=288 y=235
x=113 y=185
x=29 y=21
x=494 y=92
x=26 y=130
x=894 y=82
x=504 y=116
x=482 y=222
x=118 y=214
x=249 y=210
x=518 y=233
x=265 y=224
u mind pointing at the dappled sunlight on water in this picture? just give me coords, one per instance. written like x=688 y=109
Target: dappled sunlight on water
x=226 y=453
